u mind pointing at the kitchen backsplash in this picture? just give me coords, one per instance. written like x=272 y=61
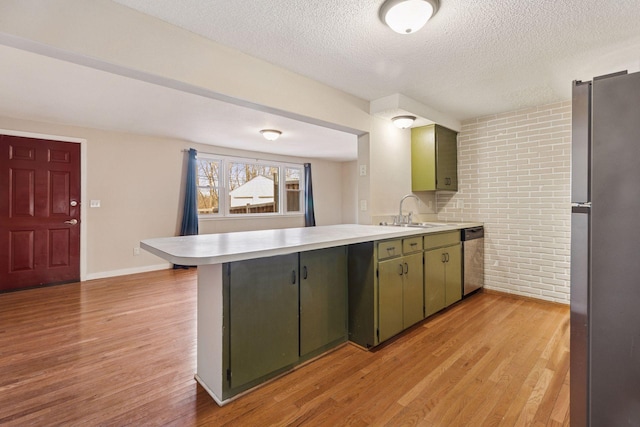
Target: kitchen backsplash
x=514 y=176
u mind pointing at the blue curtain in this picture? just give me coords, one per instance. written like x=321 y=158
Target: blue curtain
x=309 y=216
x=189 y=225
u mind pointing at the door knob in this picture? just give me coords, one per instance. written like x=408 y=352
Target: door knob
x=72 y=222
x=73 y=203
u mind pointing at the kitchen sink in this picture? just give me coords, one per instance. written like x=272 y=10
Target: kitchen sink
x=416 y=224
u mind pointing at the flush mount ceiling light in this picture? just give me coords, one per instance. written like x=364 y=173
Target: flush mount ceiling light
x=407 y=16
x=403 y=122
x=270 y=134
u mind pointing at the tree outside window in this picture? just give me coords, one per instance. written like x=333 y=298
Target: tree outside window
x=230 y=186
x=208 y=186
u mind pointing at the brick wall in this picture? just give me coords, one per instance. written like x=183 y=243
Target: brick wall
x=514 y=175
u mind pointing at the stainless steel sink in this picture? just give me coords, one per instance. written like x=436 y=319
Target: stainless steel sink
x=416 y=224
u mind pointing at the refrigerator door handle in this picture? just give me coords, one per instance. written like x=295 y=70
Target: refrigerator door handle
x=582 y=208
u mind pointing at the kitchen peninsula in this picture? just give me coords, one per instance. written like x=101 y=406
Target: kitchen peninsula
x=269 y=300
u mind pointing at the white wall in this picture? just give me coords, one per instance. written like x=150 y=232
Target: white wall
x=389 y=154
x=514 y=175
x=139 y=182
x=350 y=192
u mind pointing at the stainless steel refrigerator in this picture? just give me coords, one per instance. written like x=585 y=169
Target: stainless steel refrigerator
x=605 y=252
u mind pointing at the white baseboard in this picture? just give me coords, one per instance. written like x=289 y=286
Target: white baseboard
x=125 y=271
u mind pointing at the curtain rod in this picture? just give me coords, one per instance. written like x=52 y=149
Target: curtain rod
x=240 y=157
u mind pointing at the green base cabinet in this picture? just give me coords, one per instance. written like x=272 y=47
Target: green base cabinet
x=442 y=271
x=434 y=282
x=412 y=290
x=363 y=295
x=323 y=300
x=385 y=289
x=280 y=311
x=434 y=163
x=390 y=316
x=262 y=330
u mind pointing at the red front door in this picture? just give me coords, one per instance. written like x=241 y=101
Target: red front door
x=39 y=212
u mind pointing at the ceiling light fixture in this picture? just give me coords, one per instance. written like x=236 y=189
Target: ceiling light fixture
x=403 y=122
x=407 y=16
x=270 y=134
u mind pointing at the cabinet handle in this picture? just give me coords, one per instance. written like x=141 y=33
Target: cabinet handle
x=400 y=270
x=293 y=277
x=446 y=257
x=442 y=258
x=304 y=272
x=413 y=244
x=406 y=268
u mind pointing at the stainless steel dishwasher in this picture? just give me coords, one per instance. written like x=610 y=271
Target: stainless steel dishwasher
x=473 y=262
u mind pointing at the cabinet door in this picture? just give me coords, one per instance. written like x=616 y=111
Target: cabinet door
x=390 y=319
x=412 y=290
x=446 y=159
x=263 y=317
x=434 y=290
x=323 y=298
x=423 y=158
x=453 y=274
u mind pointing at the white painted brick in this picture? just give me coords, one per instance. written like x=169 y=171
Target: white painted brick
x=514 y=175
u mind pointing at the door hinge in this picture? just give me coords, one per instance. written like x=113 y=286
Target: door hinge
x=229 y=376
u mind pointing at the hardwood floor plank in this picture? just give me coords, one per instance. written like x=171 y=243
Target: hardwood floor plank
x=122 y=351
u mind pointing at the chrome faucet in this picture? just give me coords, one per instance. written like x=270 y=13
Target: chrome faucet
x=400 y=216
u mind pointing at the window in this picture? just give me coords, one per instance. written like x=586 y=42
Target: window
x=293 y=190
x=232 y=187
x=208 y=186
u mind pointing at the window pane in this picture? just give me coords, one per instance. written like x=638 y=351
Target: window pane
x=208 y=186
x=253 y=188
x=293 y=191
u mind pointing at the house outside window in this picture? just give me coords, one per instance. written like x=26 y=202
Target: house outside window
x=231 y=187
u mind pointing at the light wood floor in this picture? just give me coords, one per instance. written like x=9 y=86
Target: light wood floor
x=121 y=351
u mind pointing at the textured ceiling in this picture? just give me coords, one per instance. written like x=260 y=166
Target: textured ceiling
x=474 y=57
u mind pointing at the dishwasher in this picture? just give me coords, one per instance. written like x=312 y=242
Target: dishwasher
x=473 y=259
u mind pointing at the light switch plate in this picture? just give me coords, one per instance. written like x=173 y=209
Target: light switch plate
x=363 y=205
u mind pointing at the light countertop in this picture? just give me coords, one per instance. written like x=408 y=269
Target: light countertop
x=228 y=247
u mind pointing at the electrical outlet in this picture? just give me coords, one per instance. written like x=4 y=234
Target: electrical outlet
x=363 y=170
x=363 y=205
x=136 y=251
x=95 y=203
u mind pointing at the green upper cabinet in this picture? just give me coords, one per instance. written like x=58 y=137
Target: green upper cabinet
x=434 y=162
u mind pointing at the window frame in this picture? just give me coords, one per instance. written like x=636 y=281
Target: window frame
x=223 y=186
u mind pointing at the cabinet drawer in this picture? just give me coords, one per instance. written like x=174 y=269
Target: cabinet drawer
x=413 y=244
x=441 y=239
x=389 y=249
